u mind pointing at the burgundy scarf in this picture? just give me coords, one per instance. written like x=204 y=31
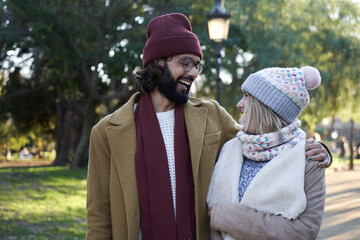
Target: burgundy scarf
x=153 y=179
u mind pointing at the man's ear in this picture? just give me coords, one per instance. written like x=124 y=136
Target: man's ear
x=159 y=61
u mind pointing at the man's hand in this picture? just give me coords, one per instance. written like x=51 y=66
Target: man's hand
x=314 y=151
x=210 y=209
x=209 y=213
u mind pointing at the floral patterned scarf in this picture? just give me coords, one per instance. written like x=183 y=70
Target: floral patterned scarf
x=264 y=147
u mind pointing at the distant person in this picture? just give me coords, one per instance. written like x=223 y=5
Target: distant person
x=333 y=146
x=342 y=146
x=25 y=154
x=262 y=186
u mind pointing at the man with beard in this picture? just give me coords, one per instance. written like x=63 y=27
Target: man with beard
x=151 y=160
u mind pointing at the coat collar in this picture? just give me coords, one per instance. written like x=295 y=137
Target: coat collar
x=117 y=118
x=121 y=116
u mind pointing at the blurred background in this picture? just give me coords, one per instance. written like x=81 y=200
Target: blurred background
x=64 y=64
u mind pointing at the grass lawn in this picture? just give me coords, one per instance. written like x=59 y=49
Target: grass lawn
x=42 y=203
x=50 y=202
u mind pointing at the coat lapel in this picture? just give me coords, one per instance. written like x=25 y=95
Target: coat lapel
x=195 y=120
x=122 y=139
x=122 y=142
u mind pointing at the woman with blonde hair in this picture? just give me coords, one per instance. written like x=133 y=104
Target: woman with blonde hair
x=262 y=186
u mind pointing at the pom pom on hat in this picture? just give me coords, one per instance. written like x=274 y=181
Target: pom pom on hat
x=312 y=77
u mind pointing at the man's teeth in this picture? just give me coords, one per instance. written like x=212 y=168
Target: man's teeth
x=184 y=82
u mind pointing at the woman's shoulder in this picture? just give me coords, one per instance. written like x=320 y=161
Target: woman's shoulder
x=234 y=142
x=231 y=148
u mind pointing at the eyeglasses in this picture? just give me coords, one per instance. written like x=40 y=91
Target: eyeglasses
x=188 y=64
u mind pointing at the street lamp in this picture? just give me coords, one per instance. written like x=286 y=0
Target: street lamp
x=218 y=24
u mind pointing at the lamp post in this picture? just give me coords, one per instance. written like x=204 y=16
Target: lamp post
x=218 y=24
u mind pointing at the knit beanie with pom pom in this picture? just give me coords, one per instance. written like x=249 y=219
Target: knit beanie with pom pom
x=284 y=90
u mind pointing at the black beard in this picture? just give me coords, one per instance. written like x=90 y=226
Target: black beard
x=167 y=85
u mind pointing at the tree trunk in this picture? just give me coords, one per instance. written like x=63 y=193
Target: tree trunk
x=331 y=129
x=82 y=147
x=351 y=167
x=63 y=134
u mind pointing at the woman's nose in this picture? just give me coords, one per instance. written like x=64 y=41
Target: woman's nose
x=240 y=104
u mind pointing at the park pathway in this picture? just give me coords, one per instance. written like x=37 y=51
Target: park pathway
x=342 y=210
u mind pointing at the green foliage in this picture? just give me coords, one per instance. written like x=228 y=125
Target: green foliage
x=295 y=33
x=42 y=203
x=85 y=53
x=10 y=139
x=30 y=104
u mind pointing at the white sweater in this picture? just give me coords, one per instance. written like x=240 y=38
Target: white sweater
x=167 y=122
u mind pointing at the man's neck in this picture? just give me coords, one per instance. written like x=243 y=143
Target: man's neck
x=160 y=102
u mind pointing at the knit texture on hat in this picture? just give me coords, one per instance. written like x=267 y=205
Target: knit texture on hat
x=169 y=35
x=284 y=90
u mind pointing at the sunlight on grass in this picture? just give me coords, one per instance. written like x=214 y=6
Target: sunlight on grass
x=42 y=203
x=50 y=202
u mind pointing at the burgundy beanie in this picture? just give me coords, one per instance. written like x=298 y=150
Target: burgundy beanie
x=169 y=35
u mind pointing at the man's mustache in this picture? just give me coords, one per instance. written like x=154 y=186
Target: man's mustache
x=185 y=77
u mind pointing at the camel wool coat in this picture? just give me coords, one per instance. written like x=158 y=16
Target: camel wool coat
x=112 y=197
